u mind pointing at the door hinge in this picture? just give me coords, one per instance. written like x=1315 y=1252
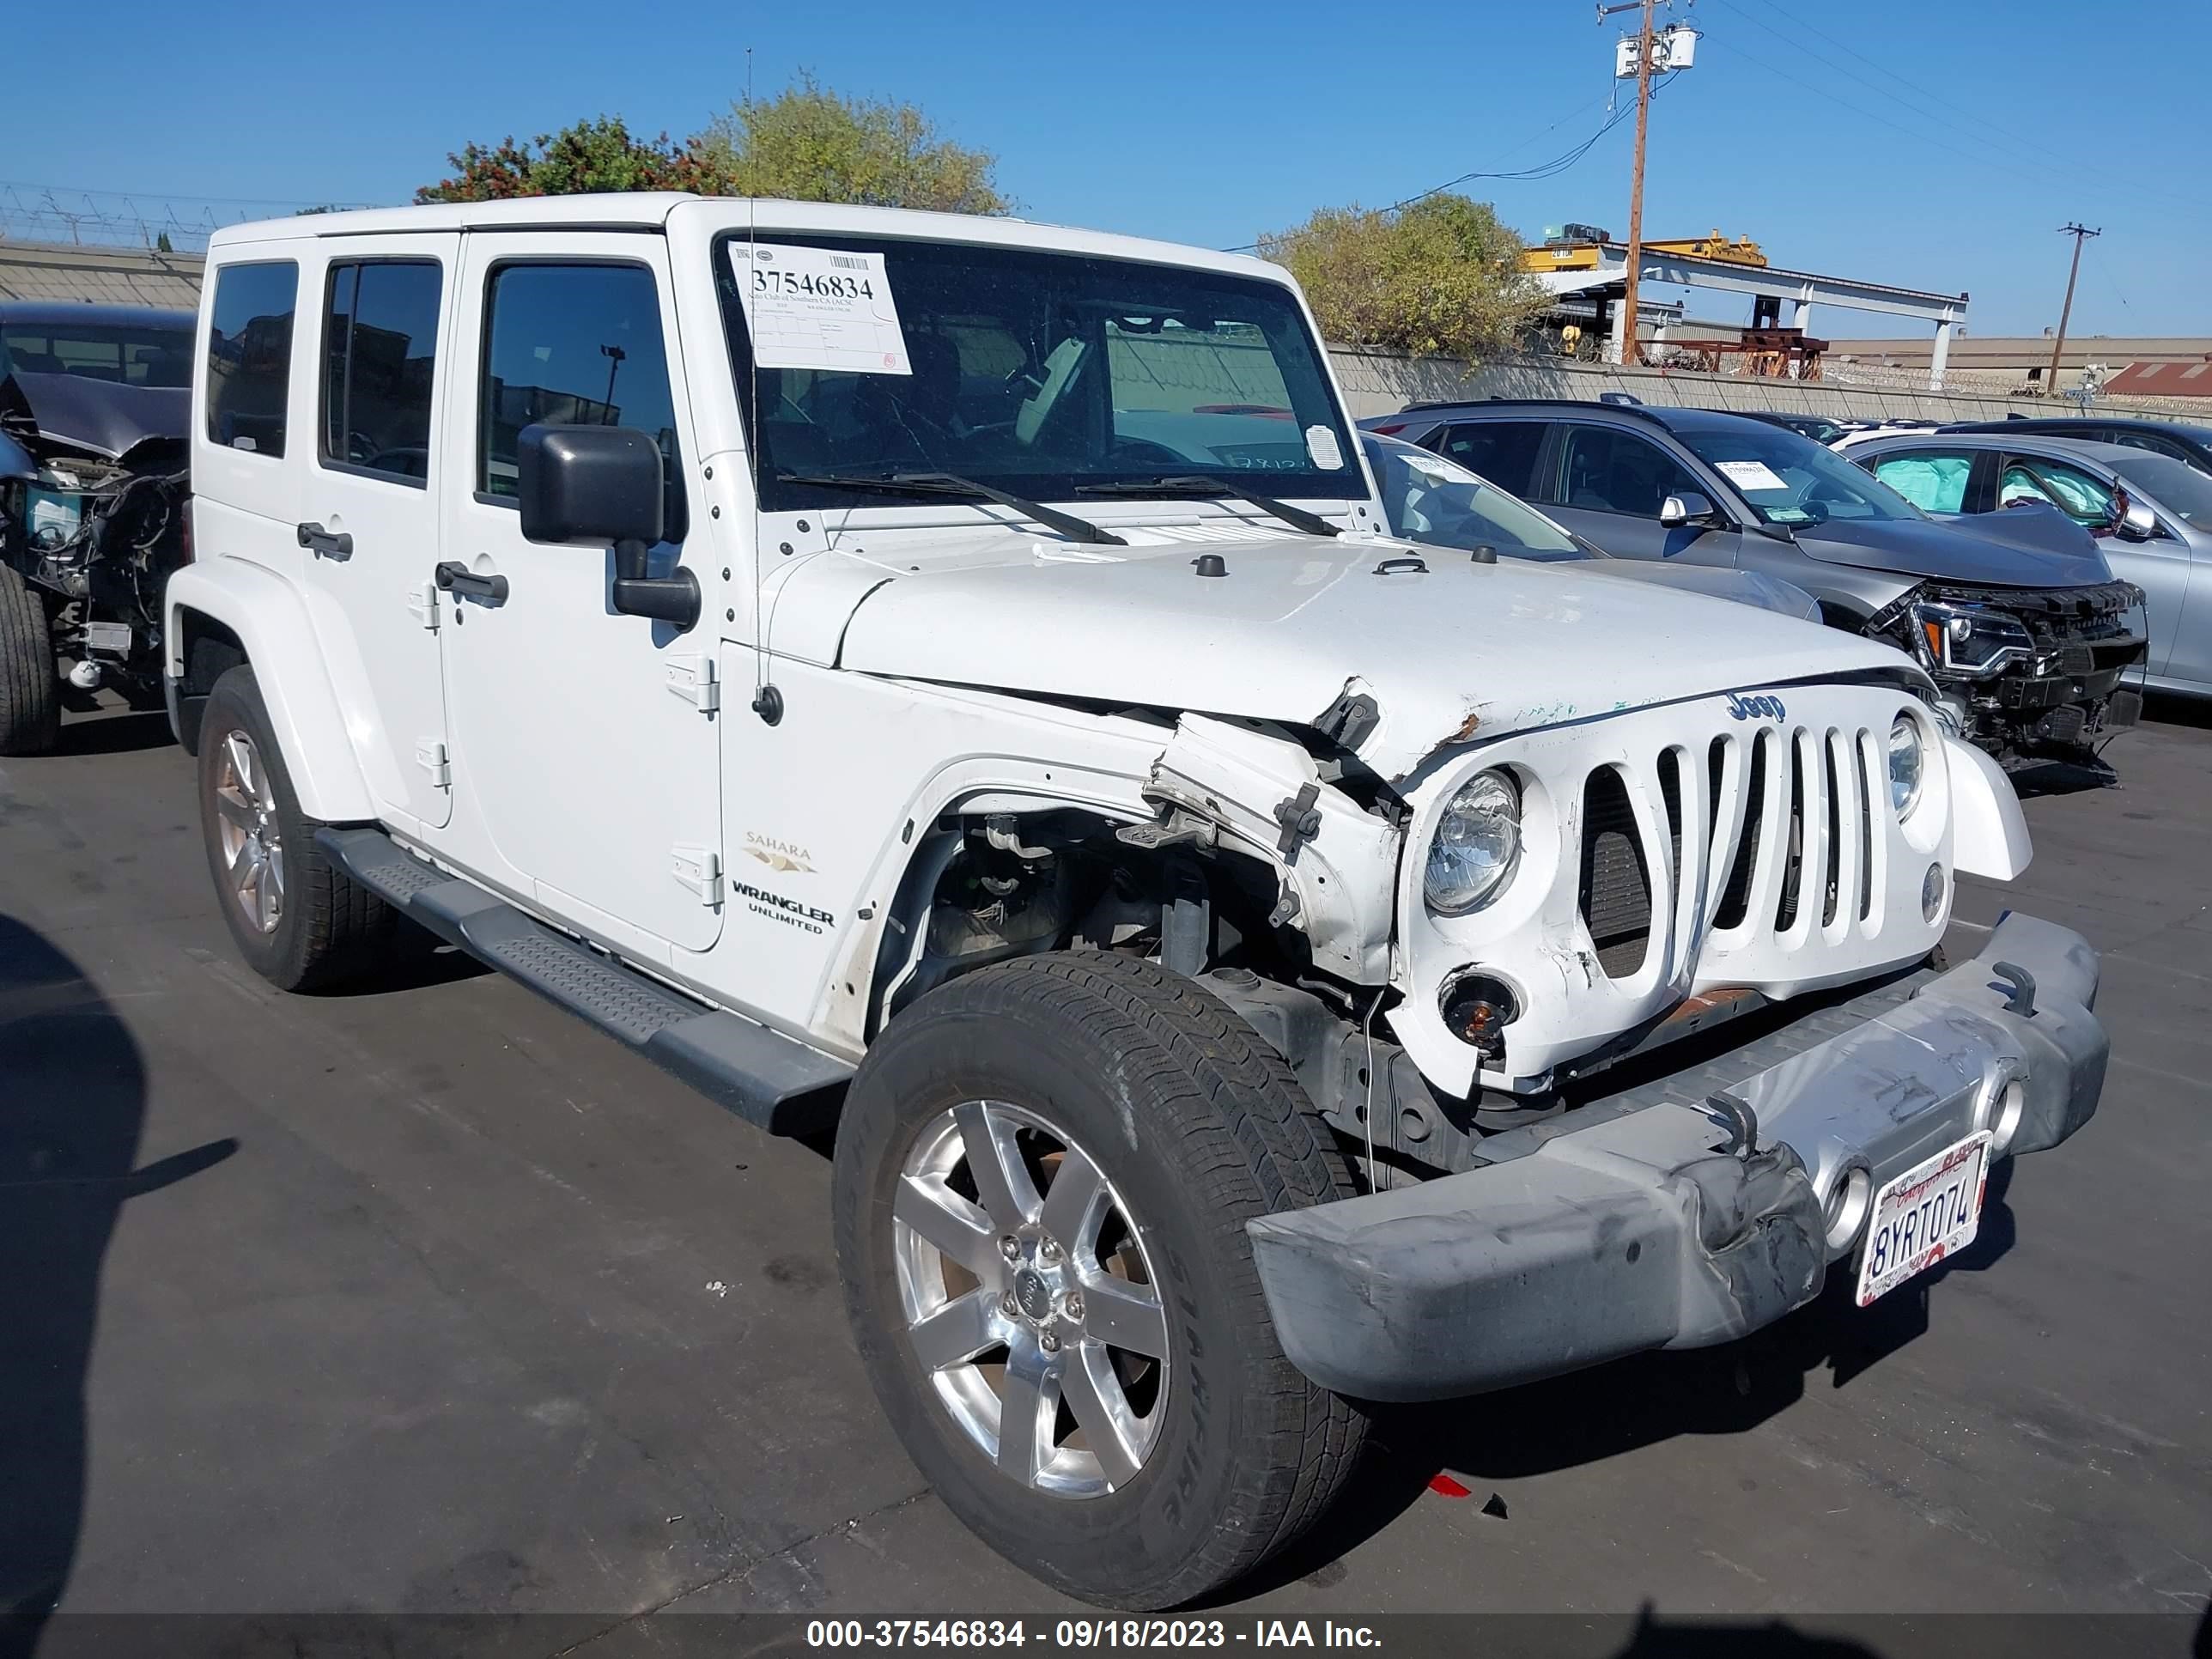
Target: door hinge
x=430 y=755
x=700 y=869
x=423 y=605
x=692 y=678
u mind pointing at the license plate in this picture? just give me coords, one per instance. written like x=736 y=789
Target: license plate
x=113 y=638
x=1925 y=1214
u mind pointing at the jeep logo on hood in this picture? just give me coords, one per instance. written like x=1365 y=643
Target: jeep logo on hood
x=1754 y=709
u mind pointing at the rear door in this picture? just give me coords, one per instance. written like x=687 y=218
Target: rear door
x=368 y=516
x=1505 y=452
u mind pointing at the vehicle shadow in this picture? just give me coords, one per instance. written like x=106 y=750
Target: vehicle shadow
x=1588 y=1416
x=2167 y=709
x=108 y=733
x=72 y=1103
x=2058 y=777
x=428 y=962
x=1659 y=1637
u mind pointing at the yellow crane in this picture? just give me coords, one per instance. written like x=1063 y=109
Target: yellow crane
x=1563 y=254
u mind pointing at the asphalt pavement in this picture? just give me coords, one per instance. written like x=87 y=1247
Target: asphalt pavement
x=428 y=1298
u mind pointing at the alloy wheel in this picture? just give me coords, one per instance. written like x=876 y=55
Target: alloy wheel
x=249 y=832
x=1030 y=1300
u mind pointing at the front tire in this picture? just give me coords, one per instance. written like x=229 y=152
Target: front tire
x=1043 y=1172
x=299 y=920
x=30 y=689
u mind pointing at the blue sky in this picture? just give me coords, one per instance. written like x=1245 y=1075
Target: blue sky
x=1208 y=123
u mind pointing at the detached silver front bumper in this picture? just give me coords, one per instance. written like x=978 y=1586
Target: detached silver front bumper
x=1693 y=1210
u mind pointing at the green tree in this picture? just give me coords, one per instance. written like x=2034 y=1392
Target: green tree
x=810 y=144
x=162 y=243
x=599 y=155
x=1442 y=276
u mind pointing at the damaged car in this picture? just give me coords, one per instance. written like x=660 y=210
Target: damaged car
x=1435 y=502
x=2032 y=640
x=92 y=485
x=902 y=674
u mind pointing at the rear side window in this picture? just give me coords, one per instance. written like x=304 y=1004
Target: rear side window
x=249 y=363
x=379 y=354
x=573 y=345
x=1503 y=452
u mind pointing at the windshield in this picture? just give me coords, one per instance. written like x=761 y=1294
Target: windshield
x=1429 y=499
x=1789 y=480
x=1034 y=372
x=98 y=351
x=2177 y=487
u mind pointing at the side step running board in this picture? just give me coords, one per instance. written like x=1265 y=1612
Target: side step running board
x=764 y=1076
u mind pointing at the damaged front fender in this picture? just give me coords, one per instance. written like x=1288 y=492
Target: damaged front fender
x=1337 y=861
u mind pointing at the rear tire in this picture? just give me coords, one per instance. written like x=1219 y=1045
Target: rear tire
x=30 y=689
x=1222 y=1452
x=299 y=920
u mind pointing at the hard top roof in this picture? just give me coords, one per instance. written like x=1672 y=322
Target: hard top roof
x=650 y=210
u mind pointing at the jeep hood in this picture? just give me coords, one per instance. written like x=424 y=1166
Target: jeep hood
x=2018 y=547
x=1452 y=652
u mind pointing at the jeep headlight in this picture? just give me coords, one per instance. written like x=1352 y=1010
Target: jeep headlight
x=1478 y=843
x=1908 y=761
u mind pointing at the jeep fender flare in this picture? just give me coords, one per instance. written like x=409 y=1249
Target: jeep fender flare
x=271 y=621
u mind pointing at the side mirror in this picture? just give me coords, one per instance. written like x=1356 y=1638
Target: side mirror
x=599 y=483
x=1687 y=508
x=603 y=483
x=2138 y=523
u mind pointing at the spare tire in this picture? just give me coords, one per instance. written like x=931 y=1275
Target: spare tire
x=30 y=690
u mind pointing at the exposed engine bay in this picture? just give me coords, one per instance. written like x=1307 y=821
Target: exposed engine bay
x=95 y=535
x=2025 y=672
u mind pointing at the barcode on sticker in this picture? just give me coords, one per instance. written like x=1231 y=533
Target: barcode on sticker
x=847 y=262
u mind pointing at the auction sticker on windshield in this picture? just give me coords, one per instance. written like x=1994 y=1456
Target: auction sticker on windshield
x=1927 y=1213
x=816 y=307
x=1750 y=475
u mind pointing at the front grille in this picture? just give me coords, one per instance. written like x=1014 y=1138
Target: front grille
x=1616 y=882
x=1794 y=818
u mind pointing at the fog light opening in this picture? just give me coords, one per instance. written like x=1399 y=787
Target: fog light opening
x=1477 y=1008
x=1931 y=892
x=1846 y=1208
x=2001 y=1116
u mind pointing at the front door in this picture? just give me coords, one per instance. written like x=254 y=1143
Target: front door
x=368 y=516
x=1608 y=484
x=583 y=768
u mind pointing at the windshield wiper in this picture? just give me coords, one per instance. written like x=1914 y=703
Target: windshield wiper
x=948 y=484
x=1194 y=484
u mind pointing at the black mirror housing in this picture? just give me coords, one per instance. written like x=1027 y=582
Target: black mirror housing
x=598 y=484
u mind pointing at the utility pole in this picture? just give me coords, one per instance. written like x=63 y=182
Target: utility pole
x=2079 y=234
x=1630 y=349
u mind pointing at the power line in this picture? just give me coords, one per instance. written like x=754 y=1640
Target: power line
x=1943 y=107
x=2005 y=149
x=1538 y=172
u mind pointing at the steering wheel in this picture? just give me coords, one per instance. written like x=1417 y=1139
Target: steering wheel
x=1143 y=452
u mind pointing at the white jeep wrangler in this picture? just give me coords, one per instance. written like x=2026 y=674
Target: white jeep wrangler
x=946 y=678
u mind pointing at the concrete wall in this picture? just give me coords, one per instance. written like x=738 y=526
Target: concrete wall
x=109 y=276
x=1381 y=383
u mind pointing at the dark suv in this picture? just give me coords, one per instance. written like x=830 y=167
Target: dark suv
x=2178 y=439
x=2017 y=616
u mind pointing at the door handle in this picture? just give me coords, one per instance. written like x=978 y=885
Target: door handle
x=457 y=578
x=324 y=544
